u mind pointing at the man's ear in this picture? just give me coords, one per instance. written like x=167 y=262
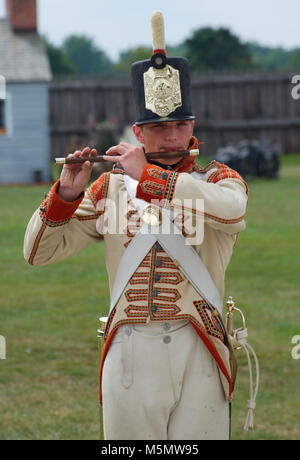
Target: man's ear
x=138 y=133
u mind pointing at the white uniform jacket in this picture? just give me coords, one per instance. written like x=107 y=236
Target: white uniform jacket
x=157 y=291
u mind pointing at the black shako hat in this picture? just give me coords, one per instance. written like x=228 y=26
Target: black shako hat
x=161 y=85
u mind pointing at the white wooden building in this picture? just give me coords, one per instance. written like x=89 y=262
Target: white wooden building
x=24 y=110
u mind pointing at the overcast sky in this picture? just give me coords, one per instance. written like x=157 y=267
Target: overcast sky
x=117 y=25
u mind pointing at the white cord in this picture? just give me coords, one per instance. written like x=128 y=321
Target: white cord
x=240 y=337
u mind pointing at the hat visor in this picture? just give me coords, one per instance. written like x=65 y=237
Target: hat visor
x=165 y=119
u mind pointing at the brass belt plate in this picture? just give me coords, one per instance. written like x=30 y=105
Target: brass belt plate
x=152 y=215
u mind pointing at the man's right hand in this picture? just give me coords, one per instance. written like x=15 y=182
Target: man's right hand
x=75 y=177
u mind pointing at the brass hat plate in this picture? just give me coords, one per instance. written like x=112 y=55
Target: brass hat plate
x=162 y=90
x=152 y=215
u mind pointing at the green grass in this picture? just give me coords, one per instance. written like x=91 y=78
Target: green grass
x=49 y=316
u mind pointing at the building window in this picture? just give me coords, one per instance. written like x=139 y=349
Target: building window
x=2 y=117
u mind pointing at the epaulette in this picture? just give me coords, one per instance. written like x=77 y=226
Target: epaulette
x=212 y=164
x=225 y=172
x=116 y=171
x=220 y=172
x=99 y=188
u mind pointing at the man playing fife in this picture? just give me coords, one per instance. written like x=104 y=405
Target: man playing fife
x=167 y=369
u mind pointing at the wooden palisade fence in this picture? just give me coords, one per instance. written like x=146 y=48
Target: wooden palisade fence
x=228 y=108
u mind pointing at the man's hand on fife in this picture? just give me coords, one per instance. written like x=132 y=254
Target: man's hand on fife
x=75 y=177
x=130 y=157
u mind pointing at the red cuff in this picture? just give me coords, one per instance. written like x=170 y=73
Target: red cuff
x=55 y=209
x=156 y=183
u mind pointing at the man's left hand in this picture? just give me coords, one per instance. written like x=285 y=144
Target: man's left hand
x=130 y=157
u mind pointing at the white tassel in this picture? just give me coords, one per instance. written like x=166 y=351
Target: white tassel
x=240 y=336
x=249 y=422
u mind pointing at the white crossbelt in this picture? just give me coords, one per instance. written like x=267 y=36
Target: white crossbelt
x=174 y=244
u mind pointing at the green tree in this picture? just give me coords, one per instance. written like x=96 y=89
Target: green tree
x=130 y=56
x=140 y=53
x=60 y=62
x=177 y=50
x=86 y=56
x=293 y=63
x=209 y=49
x=267 y=58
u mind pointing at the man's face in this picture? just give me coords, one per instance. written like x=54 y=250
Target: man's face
x=164 y=137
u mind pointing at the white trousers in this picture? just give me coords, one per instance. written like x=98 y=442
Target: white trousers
x=161 y=383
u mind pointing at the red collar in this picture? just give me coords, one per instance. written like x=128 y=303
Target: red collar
x=187 y=162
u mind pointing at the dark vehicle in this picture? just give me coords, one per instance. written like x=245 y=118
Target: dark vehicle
x=252 y=159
